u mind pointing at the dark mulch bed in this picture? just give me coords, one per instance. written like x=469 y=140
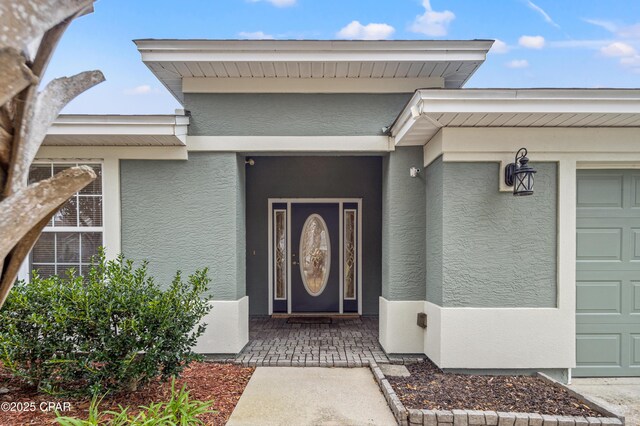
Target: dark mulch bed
x=222 y=383
x=429 y=388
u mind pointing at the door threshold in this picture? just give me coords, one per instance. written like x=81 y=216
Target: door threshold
x=317 y=314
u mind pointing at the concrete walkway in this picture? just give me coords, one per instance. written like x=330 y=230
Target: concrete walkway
x=619 y=395
x=311 y=396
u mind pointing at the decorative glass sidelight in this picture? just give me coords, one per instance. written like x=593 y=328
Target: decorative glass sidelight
x=280 y=258
x=349 y=254
x=315 y=254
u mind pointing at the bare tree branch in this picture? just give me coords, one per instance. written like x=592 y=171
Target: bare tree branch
x=24 y=21
x=34 y=127
x=18 y=255
x=22 y=210
x=15 y=75
x=5 y=147
x=22 y=216
x=25 y=116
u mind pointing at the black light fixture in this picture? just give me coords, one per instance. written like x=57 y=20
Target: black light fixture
x=520 y=176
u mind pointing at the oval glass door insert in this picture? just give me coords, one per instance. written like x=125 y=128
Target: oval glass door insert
x=315 y=254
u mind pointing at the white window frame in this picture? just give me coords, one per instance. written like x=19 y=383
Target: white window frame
x=25 y=269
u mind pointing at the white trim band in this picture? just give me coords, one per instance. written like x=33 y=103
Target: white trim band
x=308 y=85
x=290 y=143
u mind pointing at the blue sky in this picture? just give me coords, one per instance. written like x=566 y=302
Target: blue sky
x=542 y=43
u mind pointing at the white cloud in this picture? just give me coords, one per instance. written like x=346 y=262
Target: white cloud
x=531 y=42
x=499 y=46
x=629 y=56
x=624 y=46
x=356 y=31
x=278 y=3
x=518 y=63
x=541 y=11
x=618 y=49
x=432 y=23
x=256 y=35
x=607 y=25
x=143 y=89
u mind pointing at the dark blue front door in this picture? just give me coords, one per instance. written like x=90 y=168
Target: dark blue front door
x=315 y=257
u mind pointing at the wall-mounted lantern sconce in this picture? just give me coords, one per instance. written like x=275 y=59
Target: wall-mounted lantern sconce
x=520 y=176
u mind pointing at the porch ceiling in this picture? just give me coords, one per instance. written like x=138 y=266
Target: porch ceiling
x=430 y=110
x=118 y=130
x=450 y=62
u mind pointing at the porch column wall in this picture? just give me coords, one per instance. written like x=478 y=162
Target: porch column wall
x=188 y=215
x=403 y=251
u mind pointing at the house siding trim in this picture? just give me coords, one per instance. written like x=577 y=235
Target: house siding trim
x=293 y=144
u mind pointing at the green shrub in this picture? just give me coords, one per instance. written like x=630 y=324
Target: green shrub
x=179 y=410
x=109 y=331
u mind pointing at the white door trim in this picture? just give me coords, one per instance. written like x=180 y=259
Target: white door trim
x=289 y=201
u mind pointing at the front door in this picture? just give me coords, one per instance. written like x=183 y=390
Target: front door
x=315 y=259
x=315 y=280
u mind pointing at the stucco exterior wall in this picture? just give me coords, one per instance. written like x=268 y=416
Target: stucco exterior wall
x=403 y=226
x=187 y=215
x=499 y=250
x=434 y=184
x=487 y=248
x=313 y=177
x=293 y=114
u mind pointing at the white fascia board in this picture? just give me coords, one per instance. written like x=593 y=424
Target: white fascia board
x=529 y=101
x=305 y=56
x=286 y=50
x=307 y=85
x=408 y=119
x=270 y=45
x=121 y=125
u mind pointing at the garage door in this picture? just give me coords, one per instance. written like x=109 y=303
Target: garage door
x=608 y=273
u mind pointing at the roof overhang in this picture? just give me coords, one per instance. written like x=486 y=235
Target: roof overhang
x=181 y=65
x=430 y=110
x=118 y=130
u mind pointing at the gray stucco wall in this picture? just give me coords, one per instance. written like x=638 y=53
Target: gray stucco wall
x=403 y=226
x=433 y=175
x=496 y=250
x=313 y=177
x=292 y=114
x=187 y=215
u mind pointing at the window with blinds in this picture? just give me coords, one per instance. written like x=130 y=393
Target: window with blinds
x=75 y=232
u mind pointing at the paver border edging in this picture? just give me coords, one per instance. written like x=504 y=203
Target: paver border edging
x=397 y=408
x=414 y=417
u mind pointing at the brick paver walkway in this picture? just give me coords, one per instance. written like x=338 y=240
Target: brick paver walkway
x=345 y=342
